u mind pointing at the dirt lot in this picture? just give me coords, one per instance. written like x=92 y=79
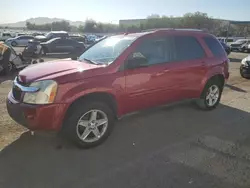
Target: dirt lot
x=175 y=146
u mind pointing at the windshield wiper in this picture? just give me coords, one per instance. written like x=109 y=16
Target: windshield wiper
x=90 y=61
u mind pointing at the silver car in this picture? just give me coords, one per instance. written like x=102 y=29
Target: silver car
x=19 y=41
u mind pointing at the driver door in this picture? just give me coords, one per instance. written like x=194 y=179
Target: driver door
x=150 y=85
x=62 y=45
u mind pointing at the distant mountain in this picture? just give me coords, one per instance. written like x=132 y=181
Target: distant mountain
x=41 y=21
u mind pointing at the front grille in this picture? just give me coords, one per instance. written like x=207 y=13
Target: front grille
x=16 y=92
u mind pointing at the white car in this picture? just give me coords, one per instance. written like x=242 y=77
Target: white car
x=19 y=41
x=5 y=36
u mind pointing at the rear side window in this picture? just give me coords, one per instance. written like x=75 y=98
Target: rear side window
x=187 y=48
x=214 y=46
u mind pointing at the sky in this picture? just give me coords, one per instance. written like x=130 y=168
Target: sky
x=112 y=11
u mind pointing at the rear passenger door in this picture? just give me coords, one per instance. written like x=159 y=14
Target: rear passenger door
x=189 y=61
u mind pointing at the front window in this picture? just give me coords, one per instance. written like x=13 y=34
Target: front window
x=107 y=50
x=49 y=35
x=52 y=40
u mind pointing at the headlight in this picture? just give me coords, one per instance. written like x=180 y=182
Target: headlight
x=245 y=62
x=45 y=95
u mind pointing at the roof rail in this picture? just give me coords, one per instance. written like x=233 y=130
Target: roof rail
x=156 y=29
x=177 y=29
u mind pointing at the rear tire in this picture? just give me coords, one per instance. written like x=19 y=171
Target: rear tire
x=210 y=100
x=82 y=112
x=14 y=44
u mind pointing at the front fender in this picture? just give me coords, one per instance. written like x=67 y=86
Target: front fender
x=69 y=92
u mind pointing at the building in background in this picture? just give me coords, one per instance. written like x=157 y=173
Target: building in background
x=130 y=22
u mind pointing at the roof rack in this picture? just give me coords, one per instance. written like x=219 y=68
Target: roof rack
x=157 y=29
x=177 y=29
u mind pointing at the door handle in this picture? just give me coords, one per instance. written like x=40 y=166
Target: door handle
x=203 y=64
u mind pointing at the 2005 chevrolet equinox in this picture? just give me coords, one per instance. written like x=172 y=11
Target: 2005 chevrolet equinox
x=116 y=76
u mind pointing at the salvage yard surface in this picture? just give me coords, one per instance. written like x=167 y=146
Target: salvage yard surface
x=176 y=146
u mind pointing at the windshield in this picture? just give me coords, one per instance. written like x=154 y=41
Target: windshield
x=107 y=50
x=48 y=35
x=51 y=40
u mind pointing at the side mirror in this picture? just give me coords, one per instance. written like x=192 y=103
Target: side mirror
x=136 y=60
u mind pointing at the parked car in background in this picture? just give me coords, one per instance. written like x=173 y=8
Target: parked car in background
x=52 y=35
x=20 y=34
x=78 y=38
x=226 y=47
x=245 y=47
x=22 y=40
x=222 y=39
x=61 y=45
x=119 y=75
x=91 y=39
x=37 y=34
x=245 y=67
x=5 y=36
x=239 y=44
x=99 y=38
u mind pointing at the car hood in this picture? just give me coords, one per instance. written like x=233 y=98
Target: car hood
x=236 y=44
x=53 y=69
x=9 y=39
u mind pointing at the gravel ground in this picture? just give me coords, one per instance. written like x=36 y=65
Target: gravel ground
x=175 y=146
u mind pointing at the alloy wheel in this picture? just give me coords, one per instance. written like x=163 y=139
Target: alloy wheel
x=92 y=126
x=212 y=95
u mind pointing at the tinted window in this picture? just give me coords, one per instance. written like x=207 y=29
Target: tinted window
x=187 y=48
x=62 y=42
x=71 y=42
x=214 y=46
x=60 y=35
x=80 y=39
x=156 y=50
x=6 y=35
x=25 y=37
x=54 y=41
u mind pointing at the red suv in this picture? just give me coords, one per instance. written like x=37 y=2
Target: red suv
x=116 y=76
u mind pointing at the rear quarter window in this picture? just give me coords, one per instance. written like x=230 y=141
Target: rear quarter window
x=187 y=48
x=214 y=46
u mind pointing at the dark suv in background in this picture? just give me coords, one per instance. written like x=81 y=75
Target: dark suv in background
x=52 y=35
x=116 y=76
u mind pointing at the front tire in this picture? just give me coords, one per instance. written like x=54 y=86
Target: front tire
x=242 y=73
x=211 y=95
x=89 y=124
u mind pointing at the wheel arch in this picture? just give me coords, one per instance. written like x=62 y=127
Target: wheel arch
x=105 y=97
x=217 y=77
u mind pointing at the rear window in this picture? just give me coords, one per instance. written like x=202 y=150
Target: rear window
x=187 y=48
x=214 y=46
